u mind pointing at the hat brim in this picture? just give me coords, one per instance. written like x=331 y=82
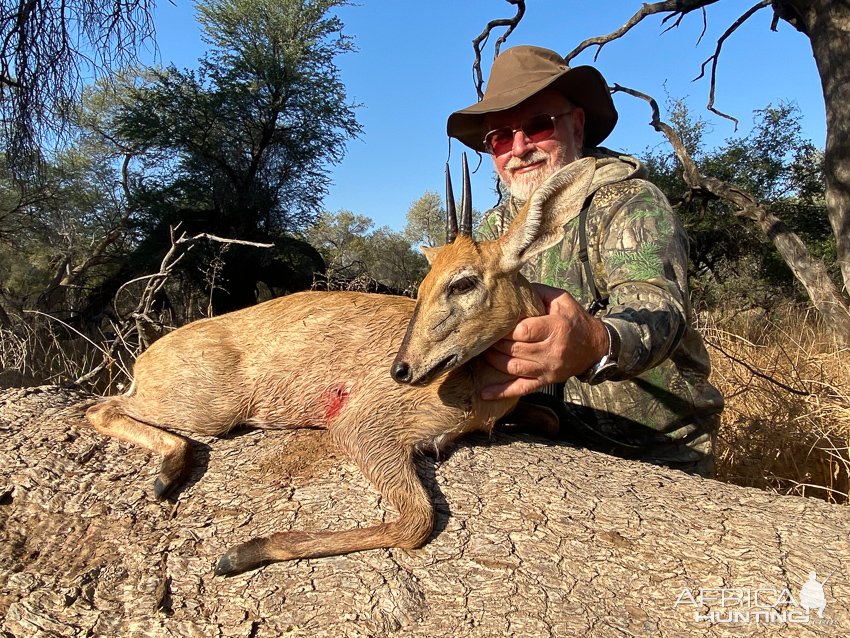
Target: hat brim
x=584 y=86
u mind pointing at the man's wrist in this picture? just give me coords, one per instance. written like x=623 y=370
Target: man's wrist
x=605 y=367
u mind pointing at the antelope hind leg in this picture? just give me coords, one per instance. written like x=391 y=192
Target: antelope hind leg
x=393 y=474
x=109 y=419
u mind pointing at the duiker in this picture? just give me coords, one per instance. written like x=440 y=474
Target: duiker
x=384 y=375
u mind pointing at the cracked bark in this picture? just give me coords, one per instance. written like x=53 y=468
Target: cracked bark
x=595 y=545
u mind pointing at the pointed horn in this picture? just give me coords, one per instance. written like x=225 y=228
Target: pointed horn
x=451 y=211
x=466 y=201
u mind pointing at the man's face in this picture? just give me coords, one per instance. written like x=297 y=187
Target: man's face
x=527 y=164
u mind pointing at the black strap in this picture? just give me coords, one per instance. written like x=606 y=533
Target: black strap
x=555 y=390
x=599 y=302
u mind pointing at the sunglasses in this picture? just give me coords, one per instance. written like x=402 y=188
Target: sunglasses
x=536 y=128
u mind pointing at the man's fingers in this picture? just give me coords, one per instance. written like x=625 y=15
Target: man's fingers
x=547 y=293
x=511 y=389
x=512 y=348
x=513 y=366
x=530 y=330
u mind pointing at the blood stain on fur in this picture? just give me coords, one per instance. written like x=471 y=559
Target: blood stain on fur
x=335 y=398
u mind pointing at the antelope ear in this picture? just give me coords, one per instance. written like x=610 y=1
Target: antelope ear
x=540 y=224
x=430 y=253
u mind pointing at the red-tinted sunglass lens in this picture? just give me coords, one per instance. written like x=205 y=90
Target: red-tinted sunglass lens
x=538 y=128
x=500 y=142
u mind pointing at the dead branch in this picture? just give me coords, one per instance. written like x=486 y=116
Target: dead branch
x=716 y=56
x=481 y=40
x=222 y=240
x=673 y=7
x=752 y=370
x=141 y=321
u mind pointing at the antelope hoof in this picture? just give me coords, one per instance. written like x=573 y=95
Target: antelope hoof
x=241 y=558
x=161 y=489
x=171 y=472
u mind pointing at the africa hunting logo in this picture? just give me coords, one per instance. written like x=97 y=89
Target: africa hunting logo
x=758 y=604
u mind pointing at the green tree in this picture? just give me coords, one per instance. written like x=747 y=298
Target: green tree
x=238 y=148
x=246 y=140
x=426 y=221
x=57 y=231
x=353 y=249
x=394 y=263
x=341 y=238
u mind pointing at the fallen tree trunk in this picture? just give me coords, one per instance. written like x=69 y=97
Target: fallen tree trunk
x=533 y=539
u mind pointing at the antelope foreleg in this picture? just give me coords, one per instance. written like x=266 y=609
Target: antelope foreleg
x=391 y=470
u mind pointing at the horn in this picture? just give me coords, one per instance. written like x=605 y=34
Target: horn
x=466 y=201
x=451 y=211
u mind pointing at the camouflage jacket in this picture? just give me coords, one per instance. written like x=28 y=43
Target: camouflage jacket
x=638 y=251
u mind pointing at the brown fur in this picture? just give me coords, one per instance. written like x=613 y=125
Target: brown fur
x=324 y=359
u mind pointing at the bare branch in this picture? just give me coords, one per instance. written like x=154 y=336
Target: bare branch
x=679 y=17
x=714 y=58
x=222 y=240
x=755 y=372
x=143 y=322
x=704 y=25
x=125 y=177
x=479 y=42
x=46 y=51
x=674 y=7
x=692 y=176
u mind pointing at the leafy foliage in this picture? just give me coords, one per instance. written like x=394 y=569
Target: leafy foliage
x=774 y=163
x=49 y=226
x=244 y=142
x=353 y=249
x=426 y=221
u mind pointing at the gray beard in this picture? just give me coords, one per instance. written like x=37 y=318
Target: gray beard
x=522 y=186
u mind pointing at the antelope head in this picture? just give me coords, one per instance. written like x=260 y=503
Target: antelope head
x=474 y=293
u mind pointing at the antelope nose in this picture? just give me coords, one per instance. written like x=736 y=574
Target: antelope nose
x=401 y=372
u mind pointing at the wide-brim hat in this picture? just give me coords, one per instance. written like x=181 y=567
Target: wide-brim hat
x=523 y=71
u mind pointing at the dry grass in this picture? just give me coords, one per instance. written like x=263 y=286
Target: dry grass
x=786 y=425
x=44 y=350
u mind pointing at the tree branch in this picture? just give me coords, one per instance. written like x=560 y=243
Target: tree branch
x=673 y=7
x=481 y=40
x=752 y=370
x=714 y=58
x=222 y=240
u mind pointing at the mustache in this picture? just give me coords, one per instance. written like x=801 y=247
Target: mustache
x=520 y=162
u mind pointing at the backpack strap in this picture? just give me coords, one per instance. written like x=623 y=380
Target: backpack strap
x=599 y=302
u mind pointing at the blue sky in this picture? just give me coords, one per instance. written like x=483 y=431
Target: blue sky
x=414 y=66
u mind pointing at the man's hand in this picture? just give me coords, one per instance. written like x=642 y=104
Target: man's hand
x=551 y=348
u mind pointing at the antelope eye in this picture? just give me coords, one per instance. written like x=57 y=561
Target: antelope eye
x=462 y=285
